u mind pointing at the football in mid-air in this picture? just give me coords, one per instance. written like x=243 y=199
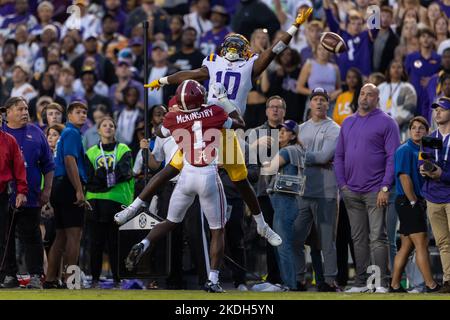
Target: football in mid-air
x=333 y=42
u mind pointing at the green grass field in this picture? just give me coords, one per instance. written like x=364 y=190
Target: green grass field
x=87 y=294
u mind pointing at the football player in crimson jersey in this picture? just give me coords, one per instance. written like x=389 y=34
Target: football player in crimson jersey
x=236 y=53
x=196 y=128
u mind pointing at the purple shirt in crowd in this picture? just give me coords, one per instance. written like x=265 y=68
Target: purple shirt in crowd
x=444 y=8
x=38 y=158
x=210 y=42
x=364 y=158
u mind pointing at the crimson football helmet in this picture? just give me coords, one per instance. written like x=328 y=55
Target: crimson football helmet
x=191 y=96
x=235 y=47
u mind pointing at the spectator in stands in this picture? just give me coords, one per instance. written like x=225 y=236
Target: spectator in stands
x=40 y=106
x=254 y=14
x=173 y=38
x=199 y=18
x=148 y=10
x=288 y=161
x=110 y=184
x=358 y=40
x=39 y=162
x=283 y=82
x=365 y=184
x=9 y=54
x=128 y=118
x=347 y=101
x=319 y=72
x=436 y=189
x=312 y=33
x=124 y=76
x=91 y=137
x=110 y=40
x=433 y=13
x=434 y=88
x=89 y=79
x=104 y=67
x=386 y=41
x=420 y=66
x=211 y=40
x=409 y=42
x=188 y=58
x=21 y=86
x=397 y=97
x=69 y=48
x=113 y=8
x=67 y=196
x=64 y=87
x=161 y=67
x=411 y=206
x=441 y=28
x=22 y=15
x=45 y=87
x=318 y=205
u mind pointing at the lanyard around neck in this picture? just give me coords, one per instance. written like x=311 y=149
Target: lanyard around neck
x=104 y=157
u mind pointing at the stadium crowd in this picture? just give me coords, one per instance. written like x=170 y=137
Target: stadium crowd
x=369 y=128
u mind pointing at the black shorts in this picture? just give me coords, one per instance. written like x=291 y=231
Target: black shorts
x=412 y=219
x=66 y=213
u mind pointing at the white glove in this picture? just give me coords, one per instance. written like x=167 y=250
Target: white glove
x=219 y=90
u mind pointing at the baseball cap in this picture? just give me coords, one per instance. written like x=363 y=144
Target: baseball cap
x=442 y=102
x=161 y=45
x=123 y=61
x=290 y=125
x=136 y=41
x=23 y=66
x=319 y=92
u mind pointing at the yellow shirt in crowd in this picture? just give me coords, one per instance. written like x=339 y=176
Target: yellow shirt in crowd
x=342 y=108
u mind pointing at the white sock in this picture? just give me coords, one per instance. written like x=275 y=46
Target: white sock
x=259 y=218
x=214 y=276
x=146 y=243
x=137 y=203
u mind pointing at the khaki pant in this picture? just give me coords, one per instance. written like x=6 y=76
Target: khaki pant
x=439 y=215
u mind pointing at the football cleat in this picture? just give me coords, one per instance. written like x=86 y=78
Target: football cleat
x=135 y=255
x=272 y=237
x=213 y=287
x=125 y=215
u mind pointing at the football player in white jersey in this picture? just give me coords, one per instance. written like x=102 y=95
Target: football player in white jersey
x=239 y=68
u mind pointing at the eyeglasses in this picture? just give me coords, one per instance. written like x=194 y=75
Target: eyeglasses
x=276 y=107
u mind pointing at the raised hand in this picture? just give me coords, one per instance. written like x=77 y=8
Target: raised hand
x=302 y=17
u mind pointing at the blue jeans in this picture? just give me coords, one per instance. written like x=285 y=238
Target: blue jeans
x=286 y=210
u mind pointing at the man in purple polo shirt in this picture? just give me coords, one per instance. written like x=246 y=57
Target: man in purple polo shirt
x=364 y=167
x=436 y=189
x=38 y=163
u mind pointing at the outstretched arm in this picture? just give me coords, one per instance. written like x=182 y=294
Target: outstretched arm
x=200 y=74
x=269 y=54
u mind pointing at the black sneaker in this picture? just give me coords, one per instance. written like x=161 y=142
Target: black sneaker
x=57 y=284
x=135 y=255
x=213 y=287
x=445 y=287
x=325 y=287
x=10 y=282
x=433 y=290
x=398 y=290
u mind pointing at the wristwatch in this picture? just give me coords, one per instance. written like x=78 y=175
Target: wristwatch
x=385 y=189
